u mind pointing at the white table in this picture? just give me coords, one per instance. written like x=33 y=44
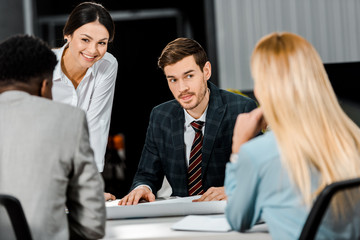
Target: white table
x=160 y=228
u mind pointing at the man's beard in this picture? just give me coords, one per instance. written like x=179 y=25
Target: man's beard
x=199 y=100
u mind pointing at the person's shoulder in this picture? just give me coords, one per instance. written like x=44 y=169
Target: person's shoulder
x=167 y=109
x=262 y=149
x=106 y=65
x=57 y=49
x=237 y=103
x=58 y=52
x=229 y=97
x=166 y=105
x=57 y=109
x=235 y=97
x=109 y=58
x=266 y=139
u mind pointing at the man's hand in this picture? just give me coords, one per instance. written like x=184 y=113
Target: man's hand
x=213 y=194
x=246 y=127
x=136 y=195
x=109 y=196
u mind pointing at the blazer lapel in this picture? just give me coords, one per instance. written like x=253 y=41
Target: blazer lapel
x=214 y=116
x=177 y=131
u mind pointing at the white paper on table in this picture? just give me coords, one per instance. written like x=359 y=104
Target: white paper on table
x=163 y=208
x=211 y=223
x=159 y=201
x=175 y=200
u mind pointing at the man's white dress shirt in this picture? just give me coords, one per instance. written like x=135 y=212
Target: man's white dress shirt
x=189 y=132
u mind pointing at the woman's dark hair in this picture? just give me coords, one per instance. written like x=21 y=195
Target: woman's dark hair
x=88 y=12
x=181 y=48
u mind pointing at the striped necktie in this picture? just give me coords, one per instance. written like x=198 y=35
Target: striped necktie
x=194 y=171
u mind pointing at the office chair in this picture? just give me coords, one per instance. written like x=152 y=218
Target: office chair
x=321 y=204
x=17 y=216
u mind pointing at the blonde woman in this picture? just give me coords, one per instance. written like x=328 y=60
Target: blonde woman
x=312 y=143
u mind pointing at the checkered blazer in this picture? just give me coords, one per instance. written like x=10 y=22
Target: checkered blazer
x=164 y=149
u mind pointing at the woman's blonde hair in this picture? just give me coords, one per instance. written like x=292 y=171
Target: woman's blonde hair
x=302 y=109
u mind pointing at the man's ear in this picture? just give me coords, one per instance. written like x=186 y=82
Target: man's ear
x=45 y=89
x=207 y=70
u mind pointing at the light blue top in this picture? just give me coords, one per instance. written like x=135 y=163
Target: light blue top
x=259 y=188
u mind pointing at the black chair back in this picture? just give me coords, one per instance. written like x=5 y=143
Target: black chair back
x=16 y=216
x=321 y=204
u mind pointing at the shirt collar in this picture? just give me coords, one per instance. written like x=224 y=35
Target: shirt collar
x=189 y=119
x=57 y=71
x=57 y=74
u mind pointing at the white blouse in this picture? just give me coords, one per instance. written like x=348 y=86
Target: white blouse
x=94 y=95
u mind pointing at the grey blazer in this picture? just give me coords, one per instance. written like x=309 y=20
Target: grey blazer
x=47 y=163
x=164 y=149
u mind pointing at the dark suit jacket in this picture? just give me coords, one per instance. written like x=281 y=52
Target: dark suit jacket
x=164 y=149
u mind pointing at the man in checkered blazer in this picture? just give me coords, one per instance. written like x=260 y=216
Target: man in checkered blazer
x=169 y=136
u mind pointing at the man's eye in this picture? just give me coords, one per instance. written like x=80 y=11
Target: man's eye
x=189 y=76
x=172 y=80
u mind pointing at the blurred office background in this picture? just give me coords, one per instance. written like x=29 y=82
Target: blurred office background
x=227 y=29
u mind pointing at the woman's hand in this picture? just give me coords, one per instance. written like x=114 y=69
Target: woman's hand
x=247 y=126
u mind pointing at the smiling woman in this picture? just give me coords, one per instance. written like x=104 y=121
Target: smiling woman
x=88 y=45
x=86 y=73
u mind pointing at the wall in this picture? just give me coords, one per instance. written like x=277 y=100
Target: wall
x=11 y=18
x=332 y=26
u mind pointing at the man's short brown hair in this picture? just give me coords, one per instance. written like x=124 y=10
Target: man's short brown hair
x=179 y=49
